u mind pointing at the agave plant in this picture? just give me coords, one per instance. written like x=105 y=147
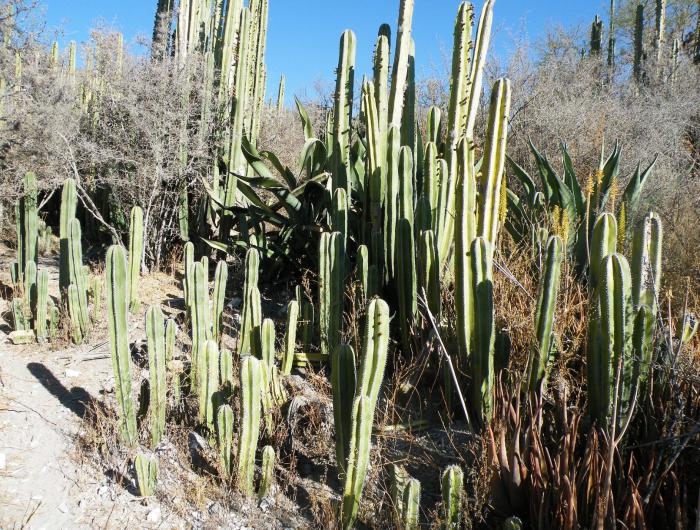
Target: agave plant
x=562 y=206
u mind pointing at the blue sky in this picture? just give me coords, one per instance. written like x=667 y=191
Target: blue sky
x=303 y=35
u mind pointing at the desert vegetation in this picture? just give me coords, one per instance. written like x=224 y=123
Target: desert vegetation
x=462 y=301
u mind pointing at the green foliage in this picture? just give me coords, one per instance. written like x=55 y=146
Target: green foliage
x=146 y=474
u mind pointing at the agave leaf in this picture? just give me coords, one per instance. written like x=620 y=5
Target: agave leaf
x=305 y=120
x=286 y=173
x=634 y=187
x=572 y=182
x=523 y=177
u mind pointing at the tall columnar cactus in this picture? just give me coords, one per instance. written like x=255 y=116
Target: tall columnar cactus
x=250 y=423
x=406 y=281
x=611 y=38
x=331 y=290
x=119 y=340
x=398 y=478
x=280 y=95
x=544 y=319
x=616 y=324
x=28 y=224
x=481 y=358
x=375 y=346
x=452 y=485
x=224 y=432
x=399 y=72
x=290 y=337
x=492 y=166
x=603 y=243
x=217 y=309
x=158 y=387
x=465 y=233
x=596 y=36
x=41 y=315
x=251 y=318
x=660 y=29
x=429 y=271
x=646 y=262
x=339 y=221
x=146 y=474
x=391 y=206
x=468 y=62
x=79 y=309
x=208 y=382
x=72 y=60
x=174 y=366
x=267 y=355
x=343 y=382
x=200 y=314
x=188 y=274
x=342 y=110
x=135 y=254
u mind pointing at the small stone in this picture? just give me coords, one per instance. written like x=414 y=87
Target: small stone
x=21 y=337
x=63 y=507
x=3 y=461
x=154 y=515
x=72 y=373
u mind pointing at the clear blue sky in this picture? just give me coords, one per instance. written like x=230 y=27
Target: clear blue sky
x=303 y=35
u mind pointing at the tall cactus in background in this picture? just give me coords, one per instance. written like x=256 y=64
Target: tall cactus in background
x=343 y=382
x=26 y=213
x=119 y=340
x=611 y=39
x=155 y=333
x=596 y=43
x=135 y=254
x=638 y=66
x=375 y=349
x=280 y=95
x=250 y=423
x=544 y=319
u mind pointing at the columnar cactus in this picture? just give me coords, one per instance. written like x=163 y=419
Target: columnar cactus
x=544 y=319
x=158 y=387
x=146 y=474
x=267 y=356
x=220 y=279
x=452 y=484
x=411 y=504
x=27 y=224
x=200 y=314
x=188 y=273
x=224 y=431
x=290 y=337
x=250 y=423
x=267 y=478
x=251 y=318
x=119 y=340
x=391 y=207
x=596 y=36
x=375 y=346
x=280 y=95
x=399 y=73
x=135 y=254
x=481 y=359
x=343 y=382
x=208 y=382
x=406 y=281
x=638 y=66
x=342 y=110
x=646 y=262
x=41 y=315
x=429 y=273
x=331 y=290
x=77 y=305
x=174 y=367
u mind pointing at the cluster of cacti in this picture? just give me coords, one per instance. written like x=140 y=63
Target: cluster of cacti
x=623 y=307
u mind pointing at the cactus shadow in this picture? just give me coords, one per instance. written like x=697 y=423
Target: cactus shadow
x=77 y=399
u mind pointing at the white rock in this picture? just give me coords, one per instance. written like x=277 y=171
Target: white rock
x=72 y=373
x=154 y=515
x=63 y=507
x=3 y=461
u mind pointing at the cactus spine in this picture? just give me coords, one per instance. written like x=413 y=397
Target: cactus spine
x=452 y=487
x=135 y=254
x=119 y=340
x=544 y=319
x=146 y=474
x=375 y=346
x=155 y=333
x=250 y=422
